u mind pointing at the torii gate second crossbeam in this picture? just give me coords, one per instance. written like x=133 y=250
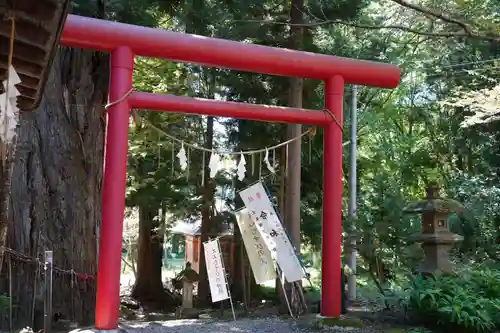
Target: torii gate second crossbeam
x=125 y=41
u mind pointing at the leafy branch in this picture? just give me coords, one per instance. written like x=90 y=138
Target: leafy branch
x=485 y=104
x=466 y=30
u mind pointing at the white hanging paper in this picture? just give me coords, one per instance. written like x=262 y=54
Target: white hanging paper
x=13 y=92
x=215 y=271
x=12 y=110
x=181 y=155
x=214 y=164
x=11 y=132
x=258 y=253
x=8 y=122
x=13 y=77
x=8 y=131
x=269 y=225
x=268 y=164
x=8 y=106
x=241 y=169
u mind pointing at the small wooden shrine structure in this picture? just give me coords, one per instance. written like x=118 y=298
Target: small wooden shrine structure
x=192 y=238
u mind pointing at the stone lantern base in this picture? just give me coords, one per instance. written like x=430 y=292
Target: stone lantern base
x=437 y=248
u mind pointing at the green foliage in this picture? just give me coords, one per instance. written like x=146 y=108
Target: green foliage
x=4 y=303
x=469 y=300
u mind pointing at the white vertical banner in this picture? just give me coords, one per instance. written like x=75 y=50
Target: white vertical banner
x=258 y=253
x=215 y=271
x=274 y=235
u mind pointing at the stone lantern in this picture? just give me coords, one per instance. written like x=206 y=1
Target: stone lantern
x=185 y=280
x=436 y=238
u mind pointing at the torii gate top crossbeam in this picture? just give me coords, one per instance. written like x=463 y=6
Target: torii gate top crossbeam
x=106 y=36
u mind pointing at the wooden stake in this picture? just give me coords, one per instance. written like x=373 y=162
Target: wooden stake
x=243 y=273
x=34 y=292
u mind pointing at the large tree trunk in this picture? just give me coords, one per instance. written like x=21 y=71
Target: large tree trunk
x=238 y=274
x=243 y=284
x=206 y=216
x=238 y=286
x=197 y=23
x=148 y=287
x=292 y=193
x=176 y=243
x=55 y=197
x=6 y=161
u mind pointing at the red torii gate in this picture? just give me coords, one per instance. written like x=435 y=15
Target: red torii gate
x=124 y=41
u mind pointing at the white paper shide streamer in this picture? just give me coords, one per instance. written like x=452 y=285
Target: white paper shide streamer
x=181 y=155
x=268 y=164
x=215 y=271
x=269 y=225
x=8 y=105
x=214 y=164
x=241 y=169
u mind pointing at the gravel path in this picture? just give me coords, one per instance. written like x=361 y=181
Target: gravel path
x=268 y=325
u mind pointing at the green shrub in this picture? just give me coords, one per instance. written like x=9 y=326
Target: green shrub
x=468 y=301
x=4 y=303
x=486 y=282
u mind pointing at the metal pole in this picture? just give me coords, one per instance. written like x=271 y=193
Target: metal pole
x=11 y=294
x=47 y=323
x=352 y=253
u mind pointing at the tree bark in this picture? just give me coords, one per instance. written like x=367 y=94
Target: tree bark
x=197 y=23
x=238 y=287
x=176 y=243
x=243 y=285
x=5 y=181
x=293 y=176
x=148 y=287
x=206 y=216
x=56 y=201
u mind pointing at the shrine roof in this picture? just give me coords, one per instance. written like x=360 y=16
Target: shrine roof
x=194 y=229
x=38 y=27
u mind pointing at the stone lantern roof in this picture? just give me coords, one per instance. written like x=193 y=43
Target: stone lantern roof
x=433 y=203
